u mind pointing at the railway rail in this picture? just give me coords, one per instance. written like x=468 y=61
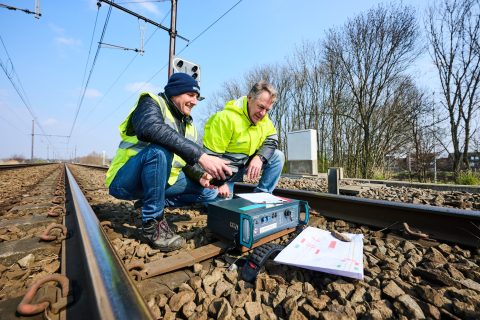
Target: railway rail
x=102 y=287
x=21 y=165
x=447 y=224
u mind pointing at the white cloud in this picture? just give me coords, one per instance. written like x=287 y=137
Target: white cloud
x=56 y=29
x=68 y=41
x=150 y=7
x=141 y=87
x=93 y=93
x=49 y=122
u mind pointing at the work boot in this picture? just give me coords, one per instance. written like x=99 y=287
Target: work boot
x=160 y=236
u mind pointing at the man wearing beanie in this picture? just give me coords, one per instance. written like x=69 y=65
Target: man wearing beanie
x=153 y=159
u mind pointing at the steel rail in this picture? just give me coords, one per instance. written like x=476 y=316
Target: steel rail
x=93 y=166
x=23 y=165
x=420 y=185
x=447 y=224
x=101 y=287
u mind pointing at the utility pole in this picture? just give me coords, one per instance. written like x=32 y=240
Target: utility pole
x=434 y=142
x=33 y=135
x=172 y=31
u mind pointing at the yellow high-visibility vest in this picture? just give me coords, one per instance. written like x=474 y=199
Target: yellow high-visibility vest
x=130 y=145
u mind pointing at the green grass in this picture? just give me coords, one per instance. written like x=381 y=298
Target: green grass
x=469 y=178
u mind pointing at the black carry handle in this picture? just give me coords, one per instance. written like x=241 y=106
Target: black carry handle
x=221 y=182
x=257 y=259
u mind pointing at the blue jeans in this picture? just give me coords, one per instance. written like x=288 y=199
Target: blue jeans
x=271 y=172
x=145 y=176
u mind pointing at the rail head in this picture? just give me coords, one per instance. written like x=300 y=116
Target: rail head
x=110 y=288
x=447 y=224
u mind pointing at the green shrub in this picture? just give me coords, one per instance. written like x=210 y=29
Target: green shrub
x=381 y=174
x=285 y=167
x=469 y=178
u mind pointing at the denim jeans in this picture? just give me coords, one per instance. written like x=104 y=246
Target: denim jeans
x=145 y=176
x=271 y=172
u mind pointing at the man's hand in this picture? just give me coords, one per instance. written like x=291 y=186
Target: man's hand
x=224 y=191
x=254 y=168
x=215 y=166
x=205 y=181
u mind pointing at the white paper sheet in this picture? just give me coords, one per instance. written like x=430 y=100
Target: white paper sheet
x=261 y=197
x=316 y=249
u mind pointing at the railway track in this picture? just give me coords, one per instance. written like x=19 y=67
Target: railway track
x=446 y=224
x=406 y=274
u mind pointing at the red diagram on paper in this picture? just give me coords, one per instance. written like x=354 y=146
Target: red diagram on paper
x=314 y=244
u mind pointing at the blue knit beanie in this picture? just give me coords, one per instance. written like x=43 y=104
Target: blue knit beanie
x=180 y=83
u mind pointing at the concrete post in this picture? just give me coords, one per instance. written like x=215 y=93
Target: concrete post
x=302 y=152
x=333 y=180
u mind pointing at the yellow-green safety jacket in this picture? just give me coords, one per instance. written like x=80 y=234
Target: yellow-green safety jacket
x=130 y=145
x=231 y=132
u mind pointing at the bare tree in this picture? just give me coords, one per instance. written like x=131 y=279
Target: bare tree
x=422 y=136
x=373 y=49
x=342 y=115
x=453 y=28
x=308 y=94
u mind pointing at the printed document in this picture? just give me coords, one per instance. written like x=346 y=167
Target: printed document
x=316 y=249
x=262 y=197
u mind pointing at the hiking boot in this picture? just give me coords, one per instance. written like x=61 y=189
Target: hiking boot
x=159 y=235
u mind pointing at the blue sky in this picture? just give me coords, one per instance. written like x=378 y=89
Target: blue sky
x=49 y=56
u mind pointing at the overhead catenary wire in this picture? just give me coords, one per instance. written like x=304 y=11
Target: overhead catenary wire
x=118 y=78
x=165 y=65
x=89 y=52
x=11 y=124
x=90 y=73
x=146 y=1
x=210 y=26
x=36 y=12
x=141 y=51
x=114 y=46
x=19 y=87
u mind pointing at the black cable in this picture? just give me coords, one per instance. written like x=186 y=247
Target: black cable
x=14 y=8
x=166 y=64
x=117 y=79
x=19 y=88
x=141 y=1
x=91 y=72
x=11 y=124
x=90 y=49
x=211 y=25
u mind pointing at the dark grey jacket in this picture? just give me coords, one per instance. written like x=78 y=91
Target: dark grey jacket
x=148 y=124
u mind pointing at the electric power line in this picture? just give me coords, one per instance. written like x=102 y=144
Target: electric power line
x=211 y=25
x=36 y=12
x=18 y=88
x=165 y=65
x=11 y=124
x=118 y=78
x=91 y=72
x=89 y=50
x=147 y=1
